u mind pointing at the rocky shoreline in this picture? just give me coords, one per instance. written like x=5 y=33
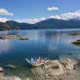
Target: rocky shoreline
x=13 y=37
x=53 y=70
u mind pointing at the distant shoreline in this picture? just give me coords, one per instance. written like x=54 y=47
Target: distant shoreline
x=66 y=29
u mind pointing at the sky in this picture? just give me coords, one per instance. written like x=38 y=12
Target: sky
x=33 y=11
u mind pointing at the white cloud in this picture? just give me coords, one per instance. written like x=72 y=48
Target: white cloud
x=56 y=17
x=52 y=8
x=5 y=12
x=68 y=15
x=71 y=15
x=64 y=16
x=3 y=19
x=31 y=21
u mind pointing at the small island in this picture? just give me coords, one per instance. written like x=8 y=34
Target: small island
x=13 y=37
x=77 y=42
x=74 y=34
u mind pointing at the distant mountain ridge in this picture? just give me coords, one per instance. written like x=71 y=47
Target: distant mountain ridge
x=59 y=24
x=46 y=24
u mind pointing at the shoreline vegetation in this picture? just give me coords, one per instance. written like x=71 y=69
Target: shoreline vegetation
x=13 y=37
x=66 y=69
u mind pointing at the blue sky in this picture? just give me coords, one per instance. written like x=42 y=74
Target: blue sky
x=37 y=10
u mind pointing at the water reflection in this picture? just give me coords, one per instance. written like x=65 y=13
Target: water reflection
x=54 y=42
x=41 y=43
x=4 y=46
x=3 y=33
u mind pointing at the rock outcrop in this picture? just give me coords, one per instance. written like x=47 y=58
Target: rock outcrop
x=77 y=42
x=67 y=64
x=51 y=69
x=13 y=37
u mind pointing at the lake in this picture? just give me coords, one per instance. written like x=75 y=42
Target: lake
x=53 y=44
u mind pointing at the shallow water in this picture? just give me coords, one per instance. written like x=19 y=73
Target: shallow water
x=54 y=44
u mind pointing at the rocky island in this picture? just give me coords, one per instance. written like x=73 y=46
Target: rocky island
x=13 y=37
x=77 y=42
x=74 y=34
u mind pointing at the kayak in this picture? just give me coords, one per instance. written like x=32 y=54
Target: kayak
x=37 y=62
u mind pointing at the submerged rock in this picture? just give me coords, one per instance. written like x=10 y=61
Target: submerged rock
x=28 y=79
x=10 y=78
x=10 y=66
x=17 y=78
x=70 y=54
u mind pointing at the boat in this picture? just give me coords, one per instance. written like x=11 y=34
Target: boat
x=37 y=62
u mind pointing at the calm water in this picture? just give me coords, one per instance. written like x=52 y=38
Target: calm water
x=54 y=44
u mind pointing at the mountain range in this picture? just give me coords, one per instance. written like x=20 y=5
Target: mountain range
x=46 y=24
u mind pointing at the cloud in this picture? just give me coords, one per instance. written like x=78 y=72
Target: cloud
x=31 y=21
x=5 y=12
x=56 y=17
x=52 y=8
x=3 y=19
x=64 y=16
x=68 y=15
